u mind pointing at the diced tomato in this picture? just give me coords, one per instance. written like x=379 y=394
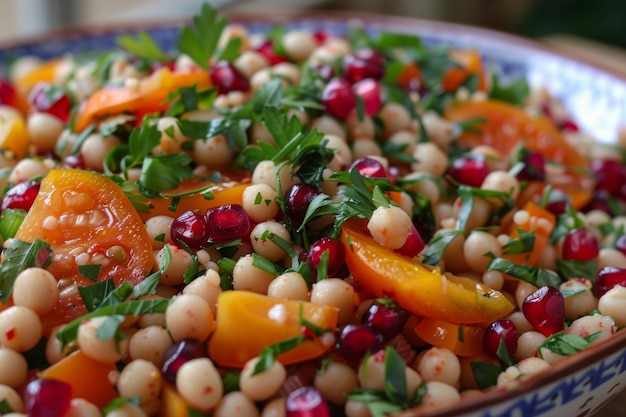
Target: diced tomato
x=541 y=222
x=471 y=63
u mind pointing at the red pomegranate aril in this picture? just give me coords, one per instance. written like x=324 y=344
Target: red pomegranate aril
x=469 y=170
x=179 y=354
x=335 y=251
x=49 y=99
x=226 y=77
x=338 y=98
x=568 y=125
x=609 y=175
x=500 y=331
x=534 y=167
x=581 y=245
x=74 y=161
x=386 y=316
x=226 y=223
x=365 y=63
x=7 y=93
x=358 y=339
x=267 y=50
x=321 y=36
x=306 y=402
x=620 y=244
x=413 y=246
x=189 y=229
x=46 y=397
x=297 y=200
x=607 y=278
x=545 y=310
x=369 y=167
x=370 y=92
x=20 y=196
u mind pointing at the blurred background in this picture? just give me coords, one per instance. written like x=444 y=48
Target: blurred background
x=592 y=29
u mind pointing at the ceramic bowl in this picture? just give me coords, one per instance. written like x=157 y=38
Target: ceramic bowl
x=596 y=99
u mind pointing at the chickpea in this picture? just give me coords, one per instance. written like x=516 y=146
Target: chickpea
x=104 y=350
x=36 y=289
x=158 y=228
x=289 y=286
x=236 y=404
x=477 y=248
x=29 y=168
x=213 y=152
x=14 y=370
x=265 y=247
x=335 y=380
x=390 y=226
x=528 y=344
x=44 y=130
x=207 y=287
x=501 y=181
x=189 y=316
x=439 y=393
x=199 y=383
x=342 y=152
x=181 y=260
x=579 y=300
x=249 y=62
x=328 y=126
x=11 y=396
x=336 y=292
x=439 y=364
x=80 y=407
x=299 y=44
x=259 y=201
x=395 y=117
x=150 y=344
x=248 y=277
x=430 y=159
x=262 y=385
x=95 y=148
x=20 y=328
x=602 y=326
x=142 y=379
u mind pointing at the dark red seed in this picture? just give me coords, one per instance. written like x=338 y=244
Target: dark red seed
x=534 y=167
x=413 y=246
x=545 y=310
x=179 y=354
x=338 y=98
x=334 y=250
x=500 y=331
x=358 y=339
x=52 y=100
x=74 y=161
x=620 y=244
x=189 y=229
x=580 y=245
x=610 y=175
x=607 y=278
x=20 y=196
x=469 y=170
x=370 y=93
x=365 y=63
x=226 y=77
x=227 y=223
x=297 y=200
x=306 y=402
x=321 y=36
x=45 y=397
x=568 y=125
x=387 y=317
x=268 y=51
x=7 y=92
x=369 y=167
x=557 y=202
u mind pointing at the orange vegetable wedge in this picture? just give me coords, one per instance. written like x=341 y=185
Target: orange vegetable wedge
x=471 y=64
x=13 y=134
x=247 y=322
x=221 y=194
x=172 y=403
x=421 y=290
x=87 y=219
x=90 y=379
x=47 y=72
x=541 y=222
x=463 y=340
x=149 y=97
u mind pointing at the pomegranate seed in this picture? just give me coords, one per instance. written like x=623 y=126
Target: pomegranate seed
x=620 y=244
x=226 y=77
x=297 y=200
x=267 y=50
x=385 y=316
x=500 y=331
x=365 y=63
x=325 y=71
x=7 y=92
x=358 y=339
x=580 y=245
x=602 y=200
x=226 y=223
x=568 y=125
x=179 y=354
x=306 y=402
x=369 y=167
x=338 y=98
x=557 y=202
x=189 y=229
x=370 y=92
x=320 y=36
x=607 y=278
x=74 y=161
x=534 y=167
x=20 y=196
x=335 y=251
x=469 y=170
x=545 y=310
x=413 y=246
x=45 y=397
x=609 y=174
x=52 y=100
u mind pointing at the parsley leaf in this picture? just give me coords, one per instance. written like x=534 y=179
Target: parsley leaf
x=200 y=43
x=572 y=268
x=91 y=271
x=523 y=244
x=485 y=374
x=567 y=344
x=187 y=99
x=11 y=220
x=515 y=92
x=269 y=353
x=18 y=257
x=438 y=245
x=143 y=46
x=5 y=407
x=539 y=277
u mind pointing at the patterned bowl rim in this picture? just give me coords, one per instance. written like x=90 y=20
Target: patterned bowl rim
x=436 y=29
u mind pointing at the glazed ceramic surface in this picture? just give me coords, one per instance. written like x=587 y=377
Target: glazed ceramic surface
x=596 y=100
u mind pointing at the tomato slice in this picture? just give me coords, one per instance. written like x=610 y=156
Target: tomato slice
x=87 y=219
x=541 y=222
x=461 y=339
x=418 y=289
x=247 y=322
x=149 y=97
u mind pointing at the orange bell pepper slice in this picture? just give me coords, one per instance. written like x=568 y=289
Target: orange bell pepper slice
x=13 y=134
x=463 y=340
x=423 y=291
x=84 y=215
x=89 y=379
x=471 y=64
x=47 y=72
x=247 y=322
x=149 y=97
x=541 y=222
x=172 y=403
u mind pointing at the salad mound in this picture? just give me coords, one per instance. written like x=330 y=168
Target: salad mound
x=293 y=223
